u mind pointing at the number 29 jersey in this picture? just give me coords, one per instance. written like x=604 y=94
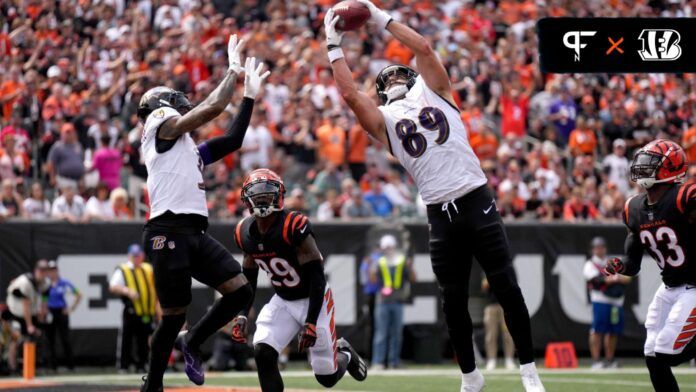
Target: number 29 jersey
x=426 y=134
x=275 y=252
x=666 y=231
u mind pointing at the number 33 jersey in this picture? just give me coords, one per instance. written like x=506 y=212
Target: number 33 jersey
x=276 y=251
x=666 y=231
x=426 y=134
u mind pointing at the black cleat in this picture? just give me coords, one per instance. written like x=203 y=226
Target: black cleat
x=146 y=387
x=356 y=366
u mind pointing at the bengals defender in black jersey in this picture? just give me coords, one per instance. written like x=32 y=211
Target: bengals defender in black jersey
x=661 y=222
x=282 y=244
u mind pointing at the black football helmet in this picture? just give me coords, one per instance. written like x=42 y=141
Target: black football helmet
x=160 y=96
x=390 y=74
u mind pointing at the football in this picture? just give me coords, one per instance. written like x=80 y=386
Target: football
x=353 y=15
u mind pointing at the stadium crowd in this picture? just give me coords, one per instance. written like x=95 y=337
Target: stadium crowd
x=553 y=146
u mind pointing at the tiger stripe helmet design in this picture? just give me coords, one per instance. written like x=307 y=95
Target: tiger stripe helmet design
x=659 y=162
x=263 y=192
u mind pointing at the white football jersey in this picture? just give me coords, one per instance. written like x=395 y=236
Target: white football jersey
x=426 y=134
x=174 y=177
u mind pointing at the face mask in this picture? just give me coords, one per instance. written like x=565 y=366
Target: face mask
x=396 y=92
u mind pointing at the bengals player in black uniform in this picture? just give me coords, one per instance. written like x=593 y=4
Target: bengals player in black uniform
x=282 y=244
x=662 y=221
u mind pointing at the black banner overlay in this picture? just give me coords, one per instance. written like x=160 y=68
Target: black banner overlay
x=617 y=45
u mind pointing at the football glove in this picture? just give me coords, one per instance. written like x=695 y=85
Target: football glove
x=614 y=266
x=333 y=37
x=239 y=329
x=379 y=17
x=308 y=337
x=253 y=77
x=234 y=52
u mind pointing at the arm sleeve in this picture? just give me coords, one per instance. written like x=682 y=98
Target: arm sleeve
x=216 y=148
x=252 y=275
x=634 y=255
x=313 y=272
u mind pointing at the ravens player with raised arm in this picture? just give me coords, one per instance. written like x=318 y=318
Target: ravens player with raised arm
x=282 y=244
x=175 y=238
x=662 y=222
x=420 y=124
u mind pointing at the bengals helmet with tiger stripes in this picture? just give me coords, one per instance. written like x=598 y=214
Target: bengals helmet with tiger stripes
x=659 y=162
x=263 y=192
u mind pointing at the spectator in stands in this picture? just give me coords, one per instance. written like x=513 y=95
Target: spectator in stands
x=332 y=139
x=563 y=112
x=36 y=206
x=328 y=208
x=616 y=166
x=119 y=204
x=688 y=142
x=607 y=297
x=297 y=202
x=68 y=206
x=494 y=326
x=107 y=161
x=582 y=139
x=577 y=208
x=99 y=206
x=513 y=180
x=394 y=273
x=358 y=141
x=380 y=203
x=330 y=178
x=14 y=162
x=25 y=303
x=60 y=314
x=484 y=144
x=102 y=133
x=356 y=207
x=134 y=283
x=513 y=109
x=257 y=147
x=66 y=159
x=11 y=199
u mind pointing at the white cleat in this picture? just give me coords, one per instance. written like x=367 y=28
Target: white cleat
x=530 y=378
x=472 y=382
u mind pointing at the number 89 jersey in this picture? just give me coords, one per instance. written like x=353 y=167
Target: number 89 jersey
x=426 y=134
x=666 y=231
x=275 y=251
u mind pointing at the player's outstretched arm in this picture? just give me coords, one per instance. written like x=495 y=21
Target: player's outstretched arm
x=364 y=108
x=427 y=61
x=212 y=106
x=217 y=148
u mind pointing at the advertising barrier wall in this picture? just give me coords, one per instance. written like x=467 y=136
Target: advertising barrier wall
x=549 y=259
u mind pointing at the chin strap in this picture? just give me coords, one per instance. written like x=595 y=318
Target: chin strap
x=396 y=92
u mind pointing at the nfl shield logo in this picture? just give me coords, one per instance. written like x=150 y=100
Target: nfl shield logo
x=260 y=246
x=171 y=245
x=651 y=216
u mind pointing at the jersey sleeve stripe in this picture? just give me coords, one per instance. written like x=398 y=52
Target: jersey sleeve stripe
x=626 y=209
x=238 y=234
x=295 y=221
x=680 y=196
x=286 y=225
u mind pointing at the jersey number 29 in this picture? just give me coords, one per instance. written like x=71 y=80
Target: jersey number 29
x=430 y=118
x=281 y=270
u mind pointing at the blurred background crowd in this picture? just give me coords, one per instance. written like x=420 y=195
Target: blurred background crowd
x=554 y=147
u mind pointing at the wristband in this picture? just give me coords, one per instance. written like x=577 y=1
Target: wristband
x=335 y=54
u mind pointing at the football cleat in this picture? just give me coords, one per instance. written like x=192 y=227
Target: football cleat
x=192 y=360
x=357 y=367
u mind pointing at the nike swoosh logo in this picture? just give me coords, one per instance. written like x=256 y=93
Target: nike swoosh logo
x=303 y=229
x=487 y=210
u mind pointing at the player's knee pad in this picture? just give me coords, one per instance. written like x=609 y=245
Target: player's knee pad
x=265 y=356
x=327 y=380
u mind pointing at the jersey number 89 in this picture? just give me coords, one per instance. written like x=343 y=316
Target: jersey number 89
x=430 y=118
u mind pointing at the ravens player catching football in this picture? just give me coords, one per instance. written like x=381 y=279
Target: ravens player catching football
x=420 y=124
x=662 y=221
x=175 y=238
x=282 y=244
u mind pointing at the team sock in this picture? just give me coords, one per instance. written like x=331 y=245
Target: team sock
x=661 y=375
x=161 y=347
x=267 y=366
x=224 y=310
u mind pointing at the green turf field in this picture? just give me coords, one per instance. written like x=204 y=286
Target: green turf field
x=424 y=379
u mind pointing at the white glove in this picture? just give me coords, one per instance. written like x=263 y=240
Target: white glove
x=234 y=51
x=333 y=37
x=253 y=77
x=379 y=17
